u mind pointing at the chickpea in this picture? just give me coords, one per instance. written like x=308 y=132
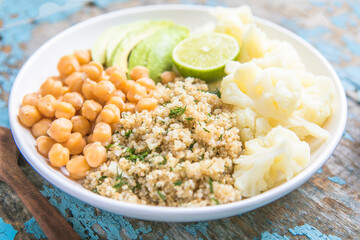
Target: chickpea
x=146 y=104
x=97 y=120
x=92 y=72
x=46 y=106
x=80 y=124
x=89 y=139
x=90 y=109
x=119 y=93
x=98 y=65
x=64 y=90
x=129 y=107
x=30 y=99
x=167 y=77
x=112 y=69
x=83 y=56
x=117 y=101
x=148 y=83
x=77 y=167
x=64 y=110
x=75 y=143
x=129 y=84
x=104 y=90
x=51 y=87
x=136 y=93
x=59 y=155
x=88 y=88
x=44 y=144
x=40 y=128
x=118 y=78
x=139 y=72
x=110 y=113
x=28 y=115
x=67 y=65
x=60 y=129
x=102 y=133
x=75 y=82
x=95 y=154
x=75 y=99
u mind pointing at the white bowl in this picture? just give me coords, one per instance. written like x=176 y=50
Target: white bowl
x=43 y=64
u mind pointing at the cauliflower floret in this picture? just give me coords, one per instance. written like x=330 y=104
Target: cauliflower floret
x=232 y=21
x=254 y=43
x=269 y=161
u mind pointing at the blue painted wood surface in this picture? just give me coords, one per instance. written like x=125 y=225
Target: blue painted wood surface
x=327 y=207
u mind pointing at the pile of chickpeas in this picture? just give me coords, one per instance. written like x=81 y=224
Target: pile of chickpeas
x=73 y=115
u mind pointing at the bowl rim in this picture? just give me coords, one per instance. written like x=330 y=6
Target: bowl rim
x=186 y=213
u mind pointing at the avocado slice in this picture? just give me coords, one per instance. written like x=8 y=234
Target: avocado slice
x=98 y=50
x=123 y=49
x=155 y=51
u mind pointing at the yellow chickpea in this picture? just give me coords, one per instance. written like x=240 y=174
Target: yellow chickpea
x=112 y=69
x=58 y=155
x=29 y=115
x=51 y=87
x=67 y=65
x=129 y=84
x=75 y=99
x=95 y=154
x=97 y=120
x=104 y=90
x=77 y=167
x=98 y=65
x=88 y=139
x=46 y=106
x=90 y=109
x=129 y=107
x=83 y=56
x=40 y=128
x=30 y=99
x=44 y=144
x=102 y=133
x=110 y=113
x=136 y=93
x=75 y=143
x=139 y=72
x=148 y=83
x=75 y=81
x=117 y=101
x=64 y=90
x=92 y=72
x=60 y=129
x=80 y=124
x=64 y=110
x=119 y=93
x=88 y=88
x=118 y=78
x=167 y=77
x=146 y=104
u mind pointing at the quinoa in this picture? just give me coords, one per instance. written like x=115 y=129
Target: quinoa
x=180 y=154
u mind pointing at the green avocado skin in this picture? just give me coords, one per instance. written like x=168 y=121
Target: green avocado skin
x=154 y=52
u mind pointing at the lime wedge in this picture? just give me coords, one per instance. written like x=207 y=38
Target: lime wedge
x=204 y=55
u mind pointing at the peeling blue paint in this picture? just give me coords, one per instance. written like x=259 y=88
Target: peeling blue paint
x=198 y=227
x=7 y=232
x=337 y=180
x=83 y=218
x=319 y=171
x=272 y=236
x=342 y=20
x=311 y=233
x=32 y=227
x=347 y=136
x=351 y=44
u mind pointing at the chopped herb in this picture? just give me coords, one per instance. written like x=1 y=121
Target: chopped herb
x=164 y=161
x=201 y=157
x=101 y=179
x=209 y=114
x=215 y=200
x=116 y=132
x=211 y=185
x=206 y=130
x=220 y=138
x=162 y=196
x=158 y=149
x=95 y=190
x=171 y=169
x=228 y=129
x=196 y=101
x=189 y=119
x=119 y=181
x=167 y=86
x=177 y=111
x=123 y=114
x=109 y=146
x=141 y=156
x=127 y=134
x=210 y=165
x=130 y=150
x=137 y=186
x=216 y=92
x=178 y=183
x=192 y=145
